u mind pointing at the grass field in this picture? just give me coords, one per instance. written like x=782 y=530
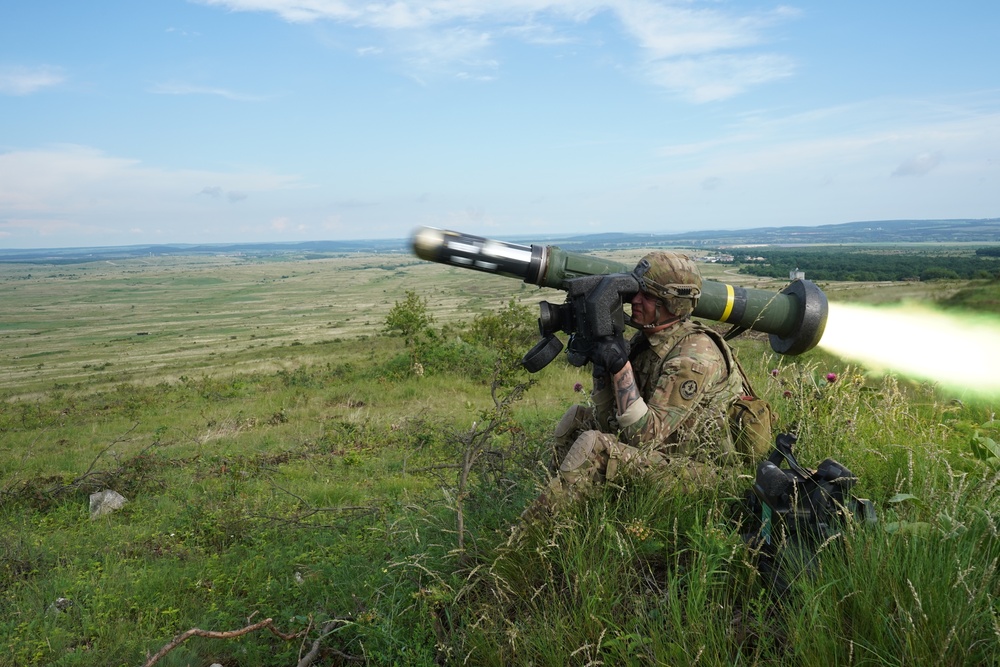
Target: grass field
x=282 y=459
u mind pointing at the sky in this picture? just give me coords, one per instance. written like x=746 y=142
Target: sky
x=129 y=122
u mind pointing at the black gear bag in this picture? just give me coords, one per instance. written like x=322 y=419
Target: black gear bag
x=795 y=509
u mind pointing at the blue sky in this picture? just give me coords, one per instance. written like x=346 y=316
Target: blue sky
x=125 y=122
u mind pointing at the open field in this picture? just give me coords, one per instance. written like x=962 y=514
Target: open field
x=153 y=320
x=283 y=459
x=149 y=321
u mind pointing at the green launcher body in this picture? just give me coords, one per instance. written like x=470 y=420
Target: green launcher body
x=794 y=318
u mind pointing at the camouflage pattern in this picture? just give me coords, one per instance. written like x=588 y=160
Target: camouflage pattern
x=596 y=457
x=684 y=378
x=576 y=420
x=671 y=277
x=687 y=384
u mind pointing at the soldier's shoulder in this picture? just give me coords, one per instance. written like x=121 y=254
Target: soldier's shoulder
x=699 y=344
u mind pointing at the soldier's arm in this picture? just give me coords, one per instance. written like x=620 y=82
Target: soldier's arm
x=697 y=367
x=626 y=390
x=603 y=399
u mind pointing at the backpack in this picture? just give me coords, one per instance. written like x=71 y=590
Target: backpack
x=751 y=419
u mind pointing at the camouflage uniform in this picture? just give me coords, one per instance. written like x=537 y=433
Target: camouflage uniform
x=687 y=380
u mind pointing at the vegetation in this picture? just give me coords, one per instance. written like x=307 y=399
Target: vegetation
x=289 y=452
x=868 y=264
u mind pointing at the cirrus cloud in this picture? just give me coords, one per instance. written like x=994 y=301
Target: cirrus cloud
x=21 y=80
x=701 y=51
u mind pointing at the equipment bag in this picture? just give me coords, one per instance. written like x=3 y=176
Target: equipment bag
x=795 y=509
x=751 y=418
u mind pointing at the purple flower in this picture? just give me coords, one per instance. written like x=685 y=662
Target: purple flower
x=831 y=377
x=578 y=387
x=774 y=372
x=787 y=394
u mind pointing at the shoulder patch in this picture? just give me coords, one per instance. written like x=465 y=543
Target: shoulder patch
x=688 y=389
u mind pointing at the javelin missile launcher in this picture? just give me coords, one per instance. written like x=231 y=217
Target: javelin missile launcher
x=596 y=289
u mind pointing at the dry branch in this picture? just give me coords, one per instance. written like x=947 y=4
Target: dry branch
x=328 y=627
x=197 y=632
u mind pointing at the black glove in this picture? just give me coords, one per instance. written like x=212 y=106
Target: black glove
x=610 y=353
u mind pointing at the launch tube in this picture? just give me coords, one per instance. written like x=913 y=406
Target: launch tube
x=795 y=317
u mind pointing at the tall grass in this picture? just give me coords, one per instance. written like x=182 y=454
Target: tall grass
x=318 y=485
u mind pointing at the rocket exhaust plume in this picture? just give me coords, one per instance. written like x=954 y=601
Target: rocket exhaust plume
x=957 y=350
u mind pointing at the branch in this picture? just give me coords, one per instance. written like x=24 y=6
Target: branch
x=298 y=518
x=114 y=442
x=197 y=632
x=308 y=658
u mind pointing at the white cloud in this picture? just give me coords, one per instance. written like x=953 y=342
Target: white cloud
x=711 y=78
x=16 y=80
x=919 y=165
x=703 y=51
x=175 y=88
x=213 y=191
x=43 y=188
x=833 y=165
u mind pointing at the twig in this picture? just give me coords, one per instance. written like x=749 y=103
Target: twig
x=114 y=442
x=327 y=628
x=298 y=518
x=441 y=466
x=197 y=632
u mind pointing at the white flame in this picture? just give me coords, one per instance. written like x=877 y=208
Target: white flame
x=959 y=351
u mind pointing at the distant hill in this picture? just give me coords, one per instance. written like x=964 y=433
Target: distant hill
x=304 y=249
x=882 y=231
x=986 y=231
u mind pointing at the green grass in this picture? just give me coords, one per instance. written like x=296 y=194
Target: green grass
x=282 y=460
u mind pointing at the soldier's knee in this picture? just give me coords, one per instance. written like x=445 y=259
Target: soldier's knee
x=583 y=461
x=576 y=419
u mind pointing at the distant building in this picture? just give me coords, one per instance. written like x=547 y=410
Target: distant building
x=715 y=259
x=796 y=274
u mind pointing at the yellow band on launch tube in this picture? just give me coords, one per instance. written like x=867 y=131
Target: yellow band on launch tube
x=730 y=299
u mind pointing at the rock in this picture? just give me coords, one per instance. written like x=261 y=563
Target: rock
x=60 y=605
x=105 y=502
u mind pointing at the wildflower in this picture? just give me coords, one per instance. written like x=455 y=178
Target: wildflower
x=787 y=394
x=831 y=377
x=774 y=372
x=638 y=529
x=578 y=387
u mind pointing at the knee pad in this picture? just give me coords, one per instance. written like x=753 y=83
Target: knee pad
x=584 y=449
x=576 y=418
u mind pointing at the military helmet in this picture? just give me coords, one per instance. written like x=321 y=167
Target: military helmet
x=672 y=278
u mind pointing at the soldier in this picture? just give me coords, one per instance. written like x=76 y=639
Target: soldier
x=659 y=403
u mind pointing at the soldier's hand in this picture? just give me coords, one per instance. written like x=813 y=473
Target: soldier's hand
x=610 y=353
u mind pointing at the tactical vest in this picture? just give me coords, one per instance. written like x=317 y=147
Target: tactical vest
x=750 y=418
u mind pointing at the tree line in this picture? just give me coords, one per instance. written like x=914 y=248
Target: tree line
x=867 y=265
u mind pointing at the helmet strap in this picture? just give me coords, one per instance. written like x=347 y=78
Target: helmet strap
x=656 y=324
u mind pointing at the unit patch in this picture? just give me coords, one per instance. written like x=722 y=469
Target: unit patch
x=688 y=389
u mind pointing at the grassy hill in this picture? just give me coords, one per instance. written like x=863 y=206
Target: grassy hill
x=285 y=457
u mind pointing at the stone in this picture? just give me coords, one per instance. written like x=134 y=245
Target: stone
x=105 y=502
